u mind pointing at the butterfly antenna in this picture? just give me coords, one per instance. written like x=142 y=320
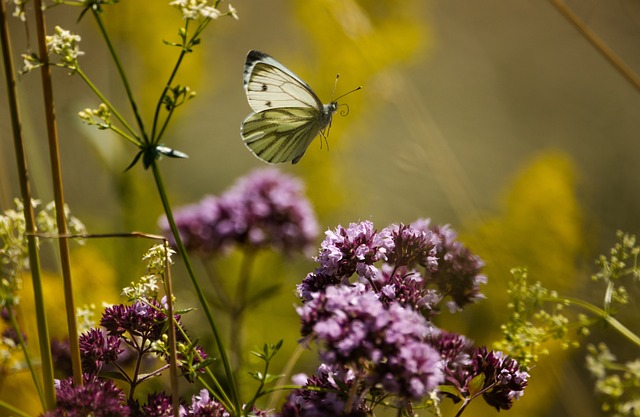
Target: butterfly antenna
x=335 y=84
x=348 y=92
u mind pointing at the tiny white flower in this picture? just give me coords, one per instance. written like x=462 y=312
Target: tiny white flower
x=65 y=44
x=196 y=9
x=233 y=12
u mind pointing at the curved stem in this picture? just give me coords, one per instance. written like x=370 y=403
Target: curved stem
x=182 y=251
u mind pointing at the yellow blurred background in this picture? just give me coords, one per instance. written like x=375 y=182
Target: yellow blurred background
x=496 y=117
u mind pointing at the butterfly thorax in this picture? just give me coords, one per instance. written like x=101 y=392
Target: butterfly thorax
x=327 y=112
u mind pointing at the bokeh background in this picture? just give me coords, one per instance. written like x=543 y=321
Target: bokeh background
x=496 y=117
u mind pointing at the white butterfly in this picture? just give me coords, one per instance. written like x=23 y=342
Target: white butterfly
x=287 y=113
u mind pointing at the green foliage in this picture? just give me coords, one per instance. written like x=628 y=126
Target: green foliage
x=539 y=315
x=622 y=262
x=617 y=384
x=13 y=244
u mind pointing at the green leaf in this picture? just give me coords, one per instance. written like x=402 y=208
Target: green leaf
x=476 y=385
x=451 y=390
x=270 y=378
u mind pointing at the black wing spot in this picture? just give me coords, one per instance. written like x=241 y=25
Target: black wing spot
x=264 y=87
x=268 y=104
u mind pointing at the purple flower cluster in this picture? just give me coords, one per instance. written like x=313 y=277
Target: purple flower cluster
x=458 y=274
x=136 y=326
x=98 y=349
x=504 y=381
x=101 y=398
x=325 y=394
x=266 y=208
x=202 y=405
x=142 y=320
x=97 y=397
x=158 y=405
x=374 y=334
x=420 y=265
x=354 y=327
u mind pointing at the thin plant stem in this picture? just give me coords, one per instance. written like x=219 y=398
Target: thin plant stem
x=223 y=301
x=276 y=397
x=123 y=77
x=48 y=402
x=239 y=307
x=463 y=406
x=56 y=176
x=27 y=357
x=260 y=388
x=219 y=392
x=621 y=328
x=156 y=114
x=13 y=410
x=173 y=363
x=182 y=251
x=112 y=109
x=613 y=58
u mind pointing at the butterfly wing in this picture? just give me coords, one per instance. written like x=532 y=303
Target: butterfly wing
x=283 y=134
x=269 y=85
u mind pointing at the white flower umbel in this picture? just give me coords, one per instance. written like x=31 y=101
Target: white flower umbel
x=196 y=9
x=65 y=45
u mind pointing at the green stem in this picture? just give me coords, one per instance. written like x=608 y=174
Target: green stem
x=13 y=410
x=112 y=109
x=48 y=402
x=164 y=125
x=621 y=328
x=173 y=363
x=25 y=352
x=182 y=251
x=259 y=391
x=219 y=291
x=463 y=406
x=239 y=307
x=123 y=76
x=156 y=114
x=219 y=392
x=275 y=399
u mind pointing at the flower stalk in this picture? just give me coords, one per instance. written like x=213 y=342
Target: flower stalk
x=182 y=251
x=56 y=176
x=47 y=393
